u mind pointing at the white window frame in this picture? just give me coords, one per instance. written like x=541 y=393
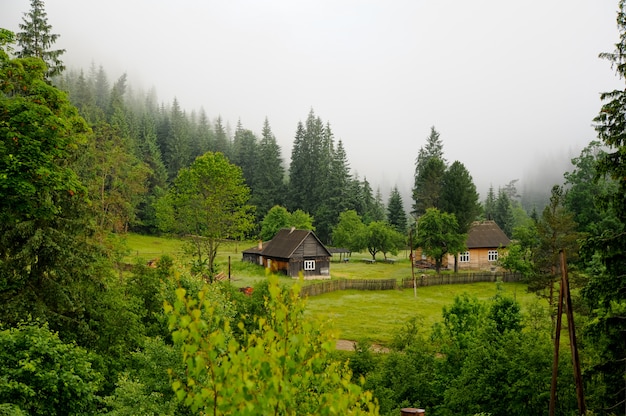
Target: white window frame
x=464 y=257
x=309 y=265
x=492 y=255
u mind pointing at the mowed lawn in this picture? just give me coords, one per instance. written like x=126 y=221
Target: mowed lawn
x=376 y=315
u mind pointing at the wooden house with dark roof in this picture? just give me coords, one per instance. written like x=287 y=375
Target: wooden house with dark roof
x=292 y=252
x=486 y=242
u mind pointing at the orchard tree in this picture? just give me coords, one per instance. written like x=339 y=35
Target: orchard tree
x=207 y=204
x=438 y=235
x=380 y=237
x=349 y=232
x=36 y=39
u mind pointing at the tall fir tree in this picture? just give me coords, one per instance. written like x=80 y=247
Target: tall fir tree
x=222 y=141
x=503 y=213
x=459 y=196
x=36 y=39
x=489 y=206
x=177 y=142
x=269 y=187
x=246 y=153
x=396 y=216
x=430 y=166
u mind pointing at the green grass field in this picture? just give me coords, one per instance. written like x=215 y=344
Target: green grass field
x=356 y=315
x=376 y=315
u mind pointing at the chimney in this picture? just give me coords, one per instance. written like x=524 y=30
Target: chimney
x=292 y=230
x=260 y=245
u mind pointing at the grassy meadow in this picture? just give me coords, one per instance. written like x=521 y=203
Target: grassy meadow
x=356 y=315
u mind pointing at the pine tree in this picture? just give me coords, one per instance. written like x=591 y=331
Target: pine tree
x=222 y=142
x=269 y=187
x=503 y=213
x=245 y=153
x=429 y=168
x=459 y=196
x=35 y=39
x=396 y=216
x=177 y=145
x=490 y=204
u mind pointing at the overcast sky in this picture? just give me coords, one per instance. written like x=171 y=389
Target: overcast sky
x=508 y=84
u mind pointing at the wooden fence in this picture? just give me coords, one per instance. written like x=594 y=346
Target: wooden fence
x=390 y=284
x=451 y=279
x=348 y=284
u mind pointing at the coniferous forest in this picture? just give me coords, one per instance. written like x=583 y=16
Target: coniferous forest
x=85 y=160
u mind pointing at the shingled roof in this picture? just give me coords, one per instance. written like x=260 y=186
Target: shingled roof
x=486 y=234
x=285 y=242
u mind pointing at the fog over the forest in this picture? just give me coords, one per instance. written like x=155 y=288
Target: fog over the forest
x=512 y=87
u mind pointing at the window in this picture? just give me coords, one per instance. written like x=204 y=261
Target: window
x=309 y=265
x=464 y=257
x=492 y=255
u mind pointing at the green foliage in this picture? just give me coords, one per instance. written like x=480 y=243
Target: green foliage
x=282 y=367
x=429 y=185
x=278 y=218
x=503 y=213
x=380 y=237
x=268 y=188
x=35 y=39
x=459 y=196
x=207 y=204
x=350 y=232
x=437 y=235
x=396 y=216
x=144 y=388
x=42 y=375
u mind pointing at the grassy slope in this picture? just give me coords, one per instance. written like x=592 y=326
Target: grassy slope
x=356 y=315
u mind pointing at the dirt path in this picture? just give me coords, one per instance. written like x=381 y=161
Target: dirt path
x=347 y=345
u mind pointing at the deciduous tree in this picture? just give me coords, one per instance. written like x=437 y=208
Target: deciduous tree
x=438 y=235
x=207 y=204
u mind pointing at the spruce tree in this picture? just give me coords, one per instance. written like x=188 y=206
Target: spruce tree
x=396 y=216
x=503 y=213
x=36 y=39
x=269 y=187
x=459 y=196
x=429 y=168
x=490 y=204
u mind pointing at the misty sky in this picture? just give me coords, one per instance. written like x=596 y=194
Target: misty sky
x=508 y=84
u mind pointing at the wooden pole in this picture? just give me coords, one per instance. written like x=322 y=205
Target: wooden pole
x=555 y=361
x=412 y=263
x=580 y=397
